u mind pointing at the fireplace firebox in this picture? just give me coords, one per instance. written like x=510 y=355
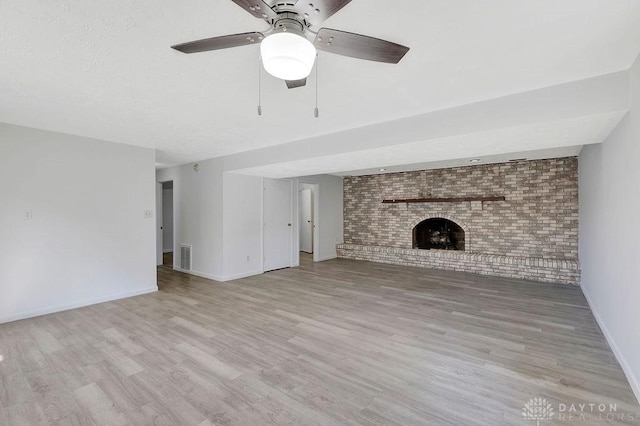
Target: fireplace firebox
x=438 y=233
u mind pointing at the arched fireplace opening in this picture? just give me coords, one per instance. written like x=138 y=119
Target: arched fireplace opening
x=438 y=233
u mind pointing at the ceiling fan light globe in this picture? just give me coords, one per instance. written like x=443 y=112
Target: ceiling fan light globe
x=287 y=55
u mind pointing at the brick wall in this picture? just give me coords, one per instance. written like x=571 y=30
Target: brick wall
x=539 y=218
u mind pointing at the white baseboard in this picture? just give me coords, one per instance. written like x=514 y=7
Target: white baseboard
x=321 y=259
x=220 y=278
x=80 y=304
x=241 y=275
x=199 y=274
x=633 y=381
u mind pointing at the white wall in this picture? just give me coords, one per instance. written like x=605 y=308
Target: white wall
x=220 y=214
x=197 y=199
x=242 y=226
x=610 y=235
x=88 y=240
x=167 y=220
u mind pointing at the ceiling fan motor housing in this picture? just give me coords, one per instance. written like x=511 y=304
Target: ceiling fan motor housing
x=288 y=21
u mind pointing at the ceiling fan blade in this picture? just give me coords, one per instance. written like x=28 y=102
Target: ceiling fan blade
x=292 y=84
x=359 y=46
x=317 y=11
x=216 y=43
x=257 y=8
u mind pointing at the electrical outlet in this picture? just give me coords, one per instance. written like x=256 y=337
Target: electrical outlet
x=28 y=214
x=148 y=214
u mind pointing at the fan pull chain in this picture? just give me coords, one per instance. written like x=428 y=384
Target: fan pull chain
x=259 y=85
x=316 y=112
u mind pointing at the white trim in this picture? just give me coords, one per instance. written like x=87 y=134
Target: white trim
x=295 y=231
x=262 y=225
x=167 y=250
x=316 y=220
x=633 y=381
x=241 y=275
x=66 y=307
x=219 y=278
x=200 y=274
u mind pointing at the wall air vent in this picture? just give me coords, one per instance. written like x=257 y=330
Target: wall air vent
x=185 y=257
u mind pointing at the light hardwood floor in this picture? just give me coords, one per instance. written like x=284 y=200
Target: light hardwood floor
x=337 y=342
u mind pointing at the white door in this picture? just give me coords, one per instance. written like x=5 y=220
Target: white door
x=158 y=224
x=278 y=225
x=306 y=221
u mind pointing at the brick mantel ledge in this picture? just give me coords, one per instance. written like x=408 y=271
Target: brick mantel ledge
x=536 y=269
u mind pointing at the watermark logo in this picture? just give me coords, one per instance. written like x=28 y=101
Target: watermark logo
x=537 y=409
x=540 y=409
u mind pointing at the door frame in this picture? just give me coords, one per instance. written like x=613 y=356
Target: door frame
x=159 y=226
x=315 y=189
x=173 y=219
x=301 y=224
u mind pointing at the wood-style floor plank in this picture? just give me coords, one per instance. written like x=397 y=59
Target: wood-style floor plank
x=336 y=342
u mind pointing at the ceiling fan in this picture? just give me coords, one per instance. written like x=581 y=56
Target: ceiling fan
x=286 y=51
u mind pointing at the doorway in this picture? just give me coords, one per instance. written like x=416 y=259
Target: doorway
x=305 y=209
x=167 y=223
x=305 y=198
x=164 y=223
x=308 y=221
x=158 y=223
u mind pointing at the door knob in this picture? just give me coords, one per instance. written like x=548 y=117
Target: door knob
x=288 y=224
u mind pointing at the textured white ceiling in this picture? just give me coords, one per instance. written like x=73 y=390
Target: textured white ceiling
x=105 y=69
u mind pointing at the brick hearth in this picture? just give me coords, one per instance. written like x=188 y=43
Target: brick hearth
x=547 y=270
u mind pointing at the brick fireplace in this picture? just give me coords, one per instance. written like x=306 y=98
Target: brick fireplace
x=531 y=233
x=438 y=233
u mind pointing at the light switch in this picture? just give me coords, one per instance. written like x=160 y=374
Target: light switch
x=28 y=214
x=148 y=214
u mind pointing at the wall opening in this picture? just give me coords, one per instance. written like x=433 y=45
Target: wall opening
x=167 y=223
x=438 y=234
